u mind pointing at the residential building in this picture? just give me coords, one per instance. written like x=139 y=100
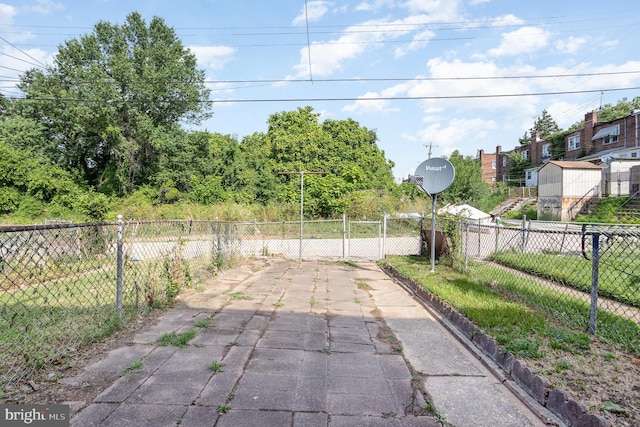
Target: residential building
x=489 y=165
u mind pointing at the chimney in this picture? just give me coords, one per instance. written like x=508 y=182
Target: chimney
x=590 y=120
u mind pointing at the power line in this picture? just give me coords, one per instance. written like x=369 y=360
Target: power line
x=22 y=51
x=375 y=79
x=338 y=99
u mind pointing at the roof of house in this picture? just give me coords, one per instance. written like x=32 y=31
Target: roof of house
x=565 y=164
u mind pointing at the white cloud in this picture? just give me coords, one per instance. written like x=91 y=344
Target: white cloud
x=367 y=6
x=7 y=12
x=45 y=7
x=328 y=57
x=506 y=20
x=378 y=106
x=571 y=45
x=520 y=41
x=363 y=106
x=442 y=10
x=420 y=40
x=314 y=11
x=213 y=57
x=457 y=132
x=477 y=2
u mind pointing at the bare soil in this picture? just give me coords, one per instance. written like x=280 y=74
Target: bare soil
x=604 y=379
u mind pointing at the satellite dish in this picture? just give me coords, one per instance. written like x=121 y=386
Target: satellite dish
x=436 y=174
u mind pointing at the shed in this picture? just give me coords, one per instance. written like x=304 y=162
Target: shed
x=566 y=187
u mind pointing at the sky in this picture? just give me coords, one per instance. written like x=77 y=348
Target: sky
x=426 y=75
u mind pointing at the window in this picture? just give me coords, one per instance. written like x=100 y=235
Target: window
x=574 y=142
x=504 y=162
x=634 y=154
x=493 y=179
x=546 y=150
x=610 y=139
x=528 y=175
x=525 y=154
x=493 y=164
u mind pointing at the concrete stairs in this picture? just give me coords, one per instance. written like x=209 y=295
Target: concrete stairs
x=513 y=204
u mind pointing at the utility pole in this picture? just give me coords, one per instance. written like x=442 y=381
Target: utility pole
x=302 y=174
x=430 y=145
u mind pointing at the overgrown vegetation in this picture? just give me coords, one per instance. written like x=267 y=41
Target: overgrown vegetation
x=542 y=326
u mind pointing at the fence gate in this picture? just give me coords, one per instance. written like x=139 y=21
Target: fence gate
x=364 y=240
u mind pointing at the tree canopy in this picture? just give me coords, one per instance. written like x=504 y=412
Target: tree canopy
x=111 y=97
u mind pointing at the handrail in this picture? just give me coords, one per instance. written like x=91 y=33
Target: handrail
x=633 y=197
x=582 y=198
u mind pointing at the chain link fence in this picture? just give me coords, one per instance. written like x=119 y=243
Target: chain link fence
x=65 y=285
x=587 y=274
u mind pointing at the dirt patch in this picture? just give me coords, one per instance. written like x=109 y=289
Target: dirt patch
x=604 y=379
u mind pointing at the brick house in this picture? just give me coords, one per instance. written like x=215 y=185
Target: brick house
x=488 y=163
x=596 y=142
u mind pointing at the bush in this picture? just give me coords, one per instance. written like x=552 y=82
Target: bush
x=9 y=199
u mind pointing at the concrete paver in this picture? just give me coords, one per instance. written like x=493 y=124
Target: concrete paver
x=300 y=344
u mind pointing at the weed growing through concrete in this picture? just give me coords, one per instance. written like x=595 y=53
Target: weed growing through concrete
x=437 y=415
x=178 y=340
x=223 y=408
x=362 y=284
x=241 y=296
x=216 y=366
x=348 y=263
x=204 y=323
x=389 y=414
x=137 y=365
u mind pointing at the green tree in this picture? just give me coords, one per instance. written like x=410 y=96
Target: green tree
x=621 y=109
x=467 y=186
x=517 y=166
x=107 y=95
x=544 y=125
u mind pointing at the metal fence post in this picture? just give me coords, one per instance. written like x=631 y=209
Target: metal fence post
x=344 y=234
x=497 y=231
x=380 y=241
x=524 y=238
x=595 y=261
x=119 y=268
x=384 y=236
x=466 y=246
x=479 y=240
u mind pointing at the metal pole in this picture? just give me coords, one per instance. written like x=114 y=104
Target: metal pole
x=466 y=246
x=595 y=261
x=301 y=212
x=349 y=240
x=119 y=268
x=301 y=201
x=380 y=241
x=433 y=233
x=344 y=234
x=479 y=240
x=384 y=235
